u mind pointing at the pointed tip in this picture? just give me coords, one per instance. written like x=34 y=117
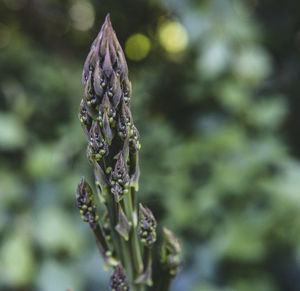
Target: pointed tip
x=107 y=19
x=170 y=238
x=82 y=182
x=142 y=208
x=105 y=30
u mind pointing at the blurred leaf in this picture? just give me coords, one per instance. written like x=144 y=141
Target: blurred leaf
x=12 y=132
x=55 y=276
x=56 y=232
x=18 y=263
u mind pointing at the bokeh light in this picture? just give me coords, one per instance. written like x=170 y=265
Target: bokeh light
x=173 y=36
x=137 y=47
x=83 y=15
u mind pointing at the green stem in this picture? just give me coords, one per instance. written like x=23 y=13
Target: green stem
x=133 y=238
x=103 y=246
x=134 y=206
x=101 y=238
x=148 y=265
x=113 y=218
x=139 y=287
x=165 y=282
x=127 y=260
x=112 y=211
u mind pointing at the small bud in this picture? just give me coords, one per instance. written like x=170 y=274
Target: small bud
x=134 y=143
x=107 y=66
x=170 y=252
x=119 y=280
x=86 y=204
x=147 y=226
x=108 y=253
x=124 y=121
x=108 y=170
x=107 y=132
x=98 y=145
x=106 y=224
x=100 y=175
x=119 y=178
x=85 y=118
x=118 y=93
x=98 y=80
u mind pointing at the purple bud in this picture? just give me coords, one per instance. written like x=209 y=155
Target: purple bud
x=170 y=252
x=124 y=121
x=134 y=141
x=98 y=79
x=117 y=94
x=85 y=118
x=98 y=145
x=119 y=179
x=107 y=132
x=118 y=280
x=88 y=65
x=147 y=226
x=107 y=66
x=105 y=70
x=86 y=204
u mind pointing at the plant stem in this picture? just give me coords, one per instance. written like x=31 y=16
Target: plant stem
x=127 y=260
x=165 y=282
x=139 y=287
x=113 y=148
x=133 y=238
x=113 y=219
x=134 y=206
x=100 y=238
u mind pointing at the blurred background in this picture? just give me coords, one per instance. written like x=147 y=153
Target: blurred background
x=216 y=100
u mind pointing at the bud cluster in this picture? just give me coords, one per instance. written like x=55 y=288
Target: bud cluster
x=118 y=280
x=105 y=111
x=119 y=179
x=170 y=256
x=147 y=226
x=85 y=203
x=113 y=150
x=97 y=147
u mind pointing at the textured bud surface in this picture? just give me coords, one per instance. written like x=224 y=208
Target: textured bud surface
x=105 y=113
x=118 y=280
x=85 y=203
x=170 y=256
x=147 y=226
x=119 y=179
x=113 y=150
